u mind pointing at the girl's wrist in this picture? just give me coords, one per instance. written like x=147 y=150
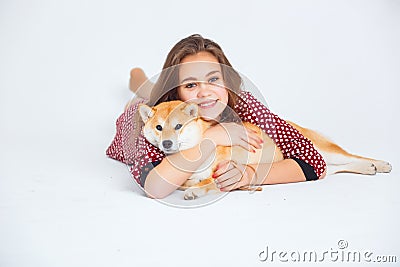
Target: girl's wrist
x=212 y=134
x=246 y=177
x=250 y=176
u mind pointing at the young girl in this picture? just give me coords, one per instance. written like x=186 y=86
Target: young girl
x=196 y=70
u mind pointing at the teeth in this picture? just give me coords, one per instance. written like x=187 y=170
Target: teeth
x=207 y=104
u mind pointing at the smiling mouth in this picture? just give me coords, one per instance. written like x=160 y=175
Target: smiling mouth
x=208 y=104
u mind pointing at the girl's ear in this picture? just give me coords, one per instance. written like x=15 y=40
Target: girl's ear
x=192 y=110
x=146 y=112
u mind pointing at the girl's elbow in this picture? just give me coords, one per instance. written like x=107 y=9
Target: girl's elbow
x=154 y=195
x=323 y=175
x=151 y=193
x=157 y=187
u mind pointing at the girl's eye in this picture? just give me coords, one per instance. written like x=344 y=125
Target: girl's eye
x=213 y=79
x=159 y=127
x=190 y=85
x=178 y=126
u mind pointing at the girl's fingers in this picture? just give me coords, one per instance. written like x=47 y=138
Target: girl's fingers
x=224 y=173
x=222 y=167
x=252 y=138
x=246 y=145
x=231 y=183
x=228 y=179
x=224 y=179
x=222 y=164
x=254 y=142
x=256 y=138
x=236 y=133
x=250 y=144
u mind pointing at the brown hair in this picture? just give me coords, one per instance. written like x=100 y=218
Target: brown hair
x=165 y=89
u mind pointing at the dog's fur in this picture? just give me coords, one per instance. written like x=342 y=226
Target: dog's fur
x=161 y=130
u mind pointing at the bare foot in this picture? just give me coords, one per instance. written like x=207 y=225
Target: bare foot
x=137 y=79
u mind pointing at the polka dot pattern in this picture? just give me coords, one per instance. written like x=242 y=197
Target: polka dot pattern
x=130 y=147
x=290 y=141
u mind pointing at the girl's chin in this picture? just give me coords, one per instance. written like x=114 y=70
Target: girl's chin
x=208 y=115
x=211 y=113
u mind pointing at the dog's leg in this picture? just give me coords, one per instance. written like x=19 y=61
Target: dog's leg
x=360 y=167
x=200 y=189
x=189 y=183
x=338 y=162
x=338 y=159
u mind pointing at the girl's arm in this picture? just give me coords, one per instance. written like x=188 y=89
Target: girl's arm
x=175 y=169
x=232 y=176
x=281 y=172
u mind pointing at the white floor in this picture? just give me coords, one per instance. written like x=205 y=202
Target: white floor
x=64 y=68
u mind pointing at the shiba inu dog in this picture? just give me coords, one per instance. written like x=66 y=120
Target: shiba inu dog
x=176 y=125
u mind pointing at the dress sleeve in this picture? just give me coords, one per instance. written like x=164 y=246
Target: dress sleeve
x=129 y=145
x=290 y=141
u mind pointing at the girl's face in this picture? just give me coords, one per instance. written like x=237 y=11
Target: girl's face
x=201 y=82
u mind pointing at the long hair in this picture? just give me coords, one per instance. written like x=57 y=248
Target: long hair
x=166 y=87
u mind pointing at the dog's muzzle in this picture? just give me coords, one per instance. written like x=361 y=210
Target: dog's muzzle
x=167 y=144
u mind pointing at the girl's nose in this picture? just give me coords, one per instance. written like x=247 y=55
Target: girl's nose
x=204 y=89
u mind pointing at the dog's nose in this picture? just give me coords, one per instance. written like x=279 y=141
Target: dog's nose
x=167 y=144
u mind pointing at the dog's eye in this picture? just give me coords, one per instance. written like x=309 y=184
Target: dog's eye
x=178 y=126
x=158 y=127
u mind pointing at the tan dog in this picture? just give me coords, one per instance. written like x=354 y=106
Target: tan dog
x=174 y=126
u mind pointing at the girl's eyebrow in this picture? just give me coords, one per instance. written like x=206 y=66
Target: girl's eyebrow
x=194 y=79
x=212 y=72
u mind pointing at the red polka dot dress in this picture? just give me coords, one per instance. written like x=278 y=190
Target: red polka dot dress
x=290 y=141
x=130 y=148
x=140 y=156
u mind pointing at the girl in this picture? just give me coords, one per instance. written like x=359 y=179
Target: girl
x=197 y=70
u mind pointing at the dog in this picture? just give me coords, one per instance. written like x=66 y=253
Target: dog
x=174 y=126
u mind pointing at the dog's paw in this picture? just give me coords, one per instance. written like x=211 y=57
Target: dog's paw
x=192 y=193
x=383 y=166
x=369 y=169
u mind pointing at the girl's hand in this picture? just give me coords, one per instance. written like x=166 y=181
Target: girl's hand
x=230 y=175
x=231 y=134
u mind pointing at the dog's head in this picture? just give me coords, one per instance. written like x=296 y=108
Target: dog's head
x=171 y=126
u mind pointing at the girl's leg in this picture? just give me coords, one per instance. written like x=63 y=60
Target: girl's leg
x=140 y=85
x=137 y=79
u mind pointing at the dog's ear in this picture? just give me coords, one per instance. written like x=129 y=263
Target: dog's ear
x=192 y=110
x=146 y=112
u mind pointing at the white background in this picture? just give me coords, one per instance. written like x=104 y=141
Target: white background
x=64 y=71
